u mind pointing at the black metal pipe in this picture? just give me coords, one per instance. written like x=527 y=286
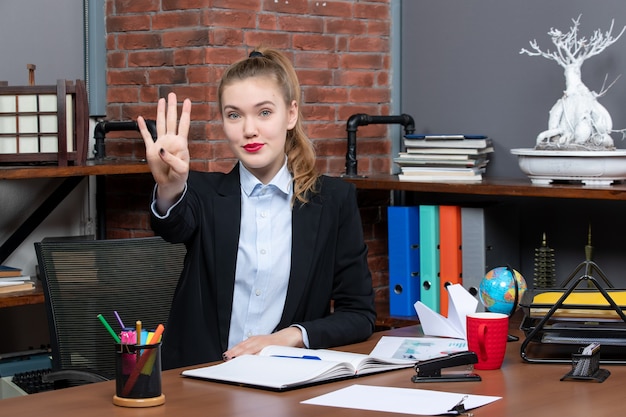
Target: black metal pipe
x=361 y=119
x=103 y=127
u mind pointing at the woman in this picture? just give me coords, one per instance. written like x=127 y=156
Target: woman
x=275 y=251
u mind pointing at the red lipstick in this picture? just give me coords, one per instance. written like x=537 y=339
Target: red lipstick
x=253 y=147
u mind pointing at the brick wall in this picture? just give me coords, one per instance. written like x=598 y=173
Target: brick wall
x=341 y=51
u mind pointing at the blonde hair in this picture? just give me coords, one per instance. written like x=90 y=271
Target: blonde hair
x=266 y=62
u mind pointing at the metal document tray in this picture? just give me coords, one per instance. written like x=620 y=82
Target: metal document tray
x=558 y=322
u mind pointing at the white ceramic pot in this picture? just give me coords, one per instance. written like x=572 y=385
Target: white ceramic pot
x=588 y=167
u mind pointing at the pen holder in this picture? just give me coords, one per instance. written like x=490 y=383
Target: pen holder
x=138 y=375
x=587 y=367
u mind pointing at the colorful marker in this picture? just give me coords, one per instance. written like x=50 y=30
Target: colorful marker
x=138 y=331
x=109 y=329
x=119 y=320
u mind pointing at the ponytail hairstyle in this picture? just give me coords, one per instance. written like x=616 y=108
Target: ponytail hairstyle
x=270 y=63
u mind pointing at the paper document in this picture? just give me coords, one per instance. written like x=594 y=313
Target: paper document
x=417 y=348
x=283 y=367
x=460 y=304
x=400 y=400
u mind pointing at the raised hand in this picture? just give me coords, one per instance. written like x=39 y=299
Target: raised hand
x=168 y=156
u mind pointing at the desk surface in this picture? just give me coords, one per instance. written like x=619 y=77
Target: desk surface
x=527 y=390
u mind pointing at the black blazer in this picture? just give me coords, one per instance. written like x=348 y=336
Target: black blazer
x=330 y=289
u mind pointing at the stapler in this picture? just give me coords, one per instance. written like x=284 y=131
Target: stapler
x=430 y=370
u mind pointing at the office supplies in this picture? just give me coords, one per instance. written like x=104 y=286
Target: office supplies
x=143 y=359
x=488 y=241
x=138 y=331
x=404 y=259
x=449 y=151
x=9 y=287
x=408 y=401
x=586 y=365
x=563 y=319
x=430 y=370
x=311 y=357
x=460 y=304
x=429 y=255
x=107 y=326
x=443 y=136
x=459 y=408
x=119 y=320
x=17 y=278
x=134 y=392
x=153 y=338
x=409 y=141
x=450 y=252
x=438 y=177
x=275 y=368
x=128 y=337
x=417 y=348
x=9 y=271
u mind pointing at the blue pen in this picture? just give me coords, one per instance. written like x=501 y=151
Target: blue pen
x=315 y=358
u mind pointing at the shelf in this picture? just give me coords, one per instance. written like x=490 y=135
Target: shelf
x=18 y=298
x=72 y=175
x=105 y=167
x=494 y=187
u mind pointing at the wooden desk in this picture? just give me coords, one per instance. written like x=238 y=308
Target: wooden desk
x=527 y=390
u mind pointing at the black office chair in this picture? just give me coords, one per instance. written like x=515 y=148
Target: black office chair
x=83 y=278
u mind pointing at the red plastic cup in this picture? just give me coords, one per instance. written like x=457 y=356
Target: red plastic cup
x=487 y=335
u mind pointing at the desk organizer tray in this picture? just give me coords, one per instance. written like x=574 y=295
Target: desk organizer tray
x=557 y=322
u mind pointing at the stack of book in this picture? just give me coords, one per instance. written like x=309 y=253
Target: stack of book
x=12 y=280
x=444 y=158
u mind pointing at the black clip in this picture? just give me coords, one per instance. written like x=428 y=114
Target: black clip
x=459 y=408
x=430 y=370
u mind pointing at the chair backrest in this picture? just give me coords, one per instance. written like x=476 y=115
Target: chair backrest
x=83 y=278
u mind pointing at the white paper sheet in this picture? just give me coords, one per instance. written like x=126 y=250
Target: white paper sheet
x=461 y=303
x=399 y=400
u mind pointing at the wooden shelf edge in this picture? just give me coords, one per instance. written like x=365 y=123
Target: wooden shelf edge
x=104 y=167
x=493 y=187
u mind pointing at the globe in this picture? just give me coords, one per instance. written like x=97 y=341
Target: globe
x=497 y=289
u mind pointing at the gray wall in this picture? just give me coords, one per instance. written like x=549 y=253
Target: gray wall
x=46 y=33
x=462 y=71
x=49 y=34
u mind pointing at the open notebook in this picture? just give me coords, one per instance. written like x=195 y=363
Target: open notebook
x=281 y=368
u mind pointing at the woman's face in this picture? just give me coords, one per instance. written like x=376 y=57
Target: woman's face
x=256 y=120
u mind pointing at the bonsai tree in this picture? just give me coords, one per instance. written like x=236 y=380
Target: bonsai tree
x=577 y=121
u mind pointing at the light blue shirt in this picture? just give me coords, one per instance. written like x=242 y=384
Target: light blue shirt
x=264 y=255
